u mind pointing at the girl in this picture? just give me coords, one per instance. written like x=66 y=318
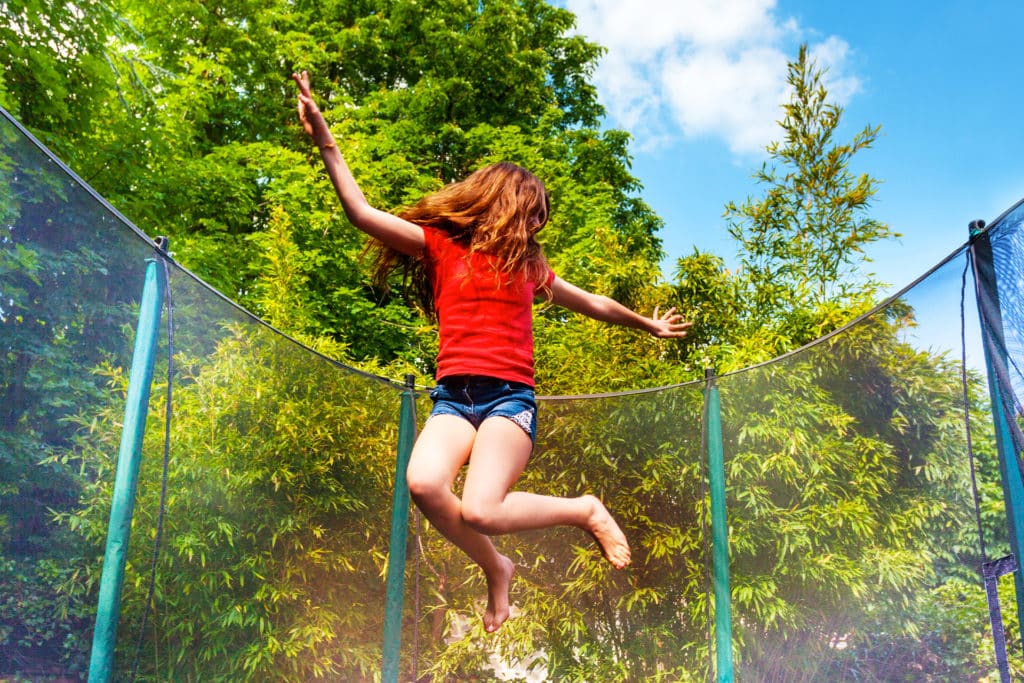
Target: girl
x=473 y=247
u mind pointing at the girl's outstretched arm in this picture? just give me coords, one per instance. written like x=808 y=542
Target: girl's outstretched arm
x=391 y=230
x=668 y=325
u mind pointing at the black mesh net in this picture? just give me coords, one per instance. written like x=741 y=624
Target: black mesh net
x=1006 y=235
x=280 y=477
x=1000 y=272
x=574 y=617
x=854 y=536
x=852 y=525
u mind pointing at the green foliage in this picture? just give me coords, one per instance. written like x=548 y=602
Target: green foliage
x=47 y=636
x=575 y=618
x=802 y=245
x=949 y=640
x=62 y=272
x=851 y=514
x=55 y=66
x=195 y=144
x=712 y=301
x=280 y=469
x=853 y=549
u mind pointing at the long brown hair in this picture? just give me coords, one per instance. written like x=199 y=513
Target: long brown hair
x=496 y=211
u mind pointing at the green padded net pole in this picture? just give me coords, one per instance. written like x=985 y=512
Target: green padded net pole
x=399 y=534
x=719 y=531
x=101 y=660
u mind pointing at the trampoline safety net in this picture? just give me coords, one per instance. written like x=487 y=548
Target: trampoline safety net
x=853 y=536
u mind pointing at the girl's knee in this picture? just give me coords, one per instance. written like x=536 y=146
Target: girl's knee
x=482 y=516
x=424 y=484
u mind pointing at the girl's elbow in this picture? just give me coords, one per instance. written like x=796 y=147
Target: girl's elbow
x=361 y=216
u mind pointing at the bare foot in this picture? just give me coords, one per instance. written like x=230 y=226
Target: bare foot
x=498 y=585
x=602 y=527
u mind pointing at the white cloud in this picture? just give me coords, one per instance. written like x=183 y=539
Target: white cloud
x=731 y=96
x=701 y=68
x=645 y=26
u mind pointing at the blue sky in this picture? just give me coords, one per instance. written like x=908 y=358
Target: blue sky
x=699 y=83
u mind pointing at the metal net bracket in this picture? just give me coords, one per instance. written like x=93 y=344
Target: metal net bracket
x=991 y=571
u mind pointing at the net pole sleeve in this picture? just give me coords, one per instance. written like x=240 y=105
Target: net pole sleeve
x=719 y=533
x=990 y=318
x=395 y=589
x=108 y=610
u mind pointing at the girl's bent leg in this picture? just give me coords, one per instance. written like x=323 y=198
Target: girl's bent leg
x=499 y=455
x=441 y=449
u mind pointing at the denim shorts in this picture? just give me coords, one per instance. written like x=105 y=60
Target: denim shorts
x=475 y=398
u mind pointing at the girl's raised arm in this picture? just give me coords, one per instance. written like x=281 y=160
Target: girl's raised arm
x=668 y=325
x=392 y=231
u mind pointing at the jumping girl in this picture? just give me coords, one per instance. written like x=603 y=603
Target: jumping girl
x=473 y=244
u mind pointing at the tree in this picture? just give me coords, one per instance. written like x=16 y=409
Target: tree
x=414 y=105
x=56 y=66
x=802 y=244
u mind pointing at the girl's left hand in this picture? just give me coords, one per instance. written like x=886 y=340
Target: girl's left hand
x=669 y=325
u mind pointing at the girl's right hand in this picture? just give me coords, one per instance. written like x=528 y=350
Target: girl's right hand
x=309 y=114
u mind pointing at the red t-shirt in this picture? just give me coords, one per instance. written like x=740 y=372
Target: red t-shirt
x=486 y=325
